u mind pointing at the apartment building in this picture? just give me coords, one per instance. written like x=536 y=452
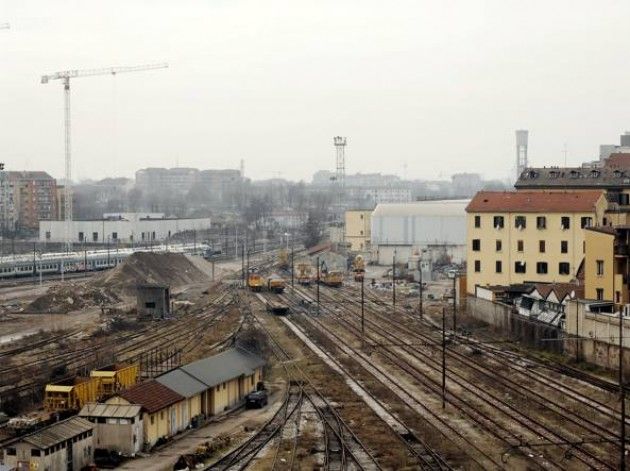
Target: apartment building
x=358 y=229
x=529 y=236
x=34 y=196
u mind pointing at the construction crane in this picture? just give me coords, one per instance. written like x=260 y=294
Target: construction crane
x=65 y=77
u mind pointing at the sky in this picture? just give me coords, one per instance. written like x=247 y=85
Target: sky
x=423 y=89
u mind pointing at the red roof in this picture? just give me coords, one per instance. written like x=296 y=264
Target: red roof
x=151 y=395
x=534 y=201
x=562 y=290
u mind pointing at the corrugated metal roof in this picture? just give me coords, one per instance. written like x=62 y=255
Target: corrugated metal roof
x=182 y=383
x=119 y=411
x=57 y=433
x=227 y=365
x=422 y=208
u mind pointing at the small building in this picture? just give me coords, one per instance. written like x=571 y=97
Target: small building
x=118 y=427
x=153 y=301
x=229 y=376
x=65 y=445
x=189 y=387
x=161 y=410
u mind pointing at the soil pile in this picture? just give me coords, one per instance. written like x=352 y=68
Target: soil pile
x=71 y=297
x=171 y=269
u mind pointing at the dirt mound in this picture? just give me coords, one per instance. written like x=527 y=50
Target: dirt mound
x=172 y=269
x=71 y=297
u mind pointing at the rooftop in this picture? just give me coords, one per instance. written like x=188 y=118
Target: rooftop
x=422 y=208
x=614 y=174
x=227 y=365
x=534 y=201
x=120 y=411
x=57 y=433
x=151 y=395
x=182 y=382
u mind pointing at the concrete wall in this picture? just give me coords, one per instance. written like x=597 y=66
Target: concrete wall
x=517 y=327
x=120 y=435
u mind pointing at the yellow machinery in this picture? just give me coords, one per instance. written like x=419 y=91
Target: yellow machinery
x=71 y=394
x=275 y=283
x=304 y=273
x=332 y=278
x=76 y=392
x=115 y=377
x=358 y=267
x=255 y=282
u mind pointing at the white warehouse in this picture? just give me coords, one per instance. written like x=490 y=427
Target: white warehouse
x=438 y=228
x=121 y=227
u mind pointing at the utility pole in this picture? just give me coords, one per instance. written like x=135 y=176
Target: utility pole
x=394 y=281
x=443 y=358
x=455 y=305
x=362 y=312
x=317 y=285
x=243 y=264
x=292 y=264
x=622 y=397
x=420 y=288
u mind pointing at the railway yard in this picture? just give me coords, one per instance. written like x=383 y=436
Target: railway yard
x=351 y=385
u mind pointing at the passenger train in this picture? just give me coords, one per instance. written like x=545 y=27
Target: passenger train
x=14 y=266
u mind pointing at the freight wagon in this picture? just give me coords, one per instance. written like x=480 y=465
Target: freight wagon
x=275 y=284
x=74 y=393
x=332 y=278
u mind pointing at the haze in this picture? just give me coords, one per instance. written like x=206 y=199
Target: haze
x=438 y=86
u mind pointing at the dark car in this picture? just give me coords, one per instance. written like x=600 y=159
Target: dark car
x=106 y=458
x=256 y=400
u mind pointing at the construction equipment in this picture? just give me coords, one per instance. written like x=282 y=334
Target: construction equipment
x=65 y=77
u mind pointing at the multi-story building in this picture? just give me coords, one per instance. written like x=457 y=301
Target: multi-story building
x=220 y=183
x=529 y=236
x=34 y=198
x=8 y=213
x=358 y=229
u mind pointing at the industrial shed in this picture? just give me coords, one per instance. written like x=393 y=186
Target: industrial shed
x=189 y=387
x=118 y=427
x=438 y=228
x=66 y=445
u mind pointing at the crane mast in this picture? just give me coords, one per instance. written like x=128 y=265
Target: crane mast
x=65 y=77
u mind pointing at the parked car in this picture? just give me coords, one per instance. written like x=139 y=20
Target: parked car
x=256 y=400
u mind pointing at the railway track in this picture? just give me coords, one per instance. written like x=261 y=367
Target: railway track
x=408 y=352
x=342 y=448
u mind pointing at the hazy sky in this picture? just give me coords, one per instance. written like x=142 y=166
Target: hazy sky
x=438 y=86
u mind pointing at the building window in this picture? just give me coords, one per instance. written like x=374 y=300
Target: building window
x=498 y=222
x=498 y=266
x=586 y=221
x=600 y=267
x=152 y=419
x=565 y=222
x=35 y=452
x=477 y=266
x=563 y=268
x=47 y=235
x=541 y=246
x=476 y=245
x=114 y=235
x=519 y=267
x=162 y=415
x=477 y=221
x=541 y=222
x=11 y=451
x=600 y=294
x=499 y=245
x=541 y=268
x=617 y=296
x=564 y=246
x=94 y=236
x=520 y=246
x=520 y=222
x=81 y=236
